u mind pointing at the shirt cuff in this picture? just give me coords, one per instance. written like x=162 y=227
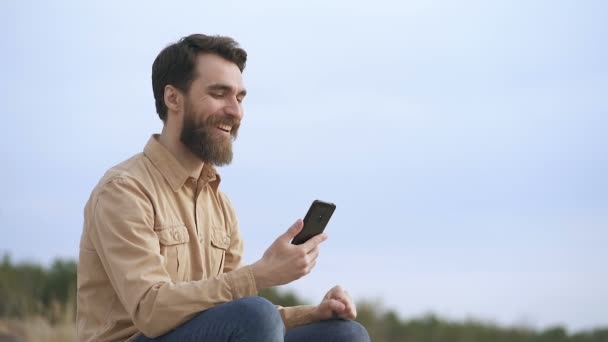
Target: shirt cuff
x=242 y=283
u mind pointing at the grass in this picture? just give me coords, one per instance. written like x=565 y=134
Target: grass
x=36 y=329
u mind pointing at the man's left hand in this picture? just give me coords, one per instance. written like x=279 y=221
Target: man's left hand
x=336 y=304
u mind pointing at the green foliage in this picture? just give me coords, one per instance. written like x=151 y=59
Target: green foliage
x=386 y=326
x=281 y=298
x=28 y=290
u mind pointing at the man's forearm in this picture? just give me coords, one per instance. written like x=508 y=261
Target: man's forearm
x=294 y=316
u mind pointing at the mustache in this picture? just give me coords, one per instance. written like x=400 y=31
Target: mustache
x=218 y=119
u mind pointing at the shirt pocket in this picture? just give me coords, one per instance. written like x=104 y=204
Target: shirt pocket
x=220 y=242
x=174 y=249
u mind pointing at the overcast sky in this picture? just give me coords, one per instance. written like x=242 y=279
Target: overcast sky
x=463 y=142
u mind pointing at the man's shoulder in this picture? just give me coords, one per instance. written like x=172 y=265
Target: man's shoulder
x=125 y=180
x=134 y=170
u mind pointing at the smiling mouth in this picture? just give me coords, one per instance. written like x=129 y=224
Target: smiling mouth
x=225 y=128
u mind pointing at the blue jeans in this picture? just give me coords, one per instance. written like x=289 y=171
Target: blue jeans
x=256 y=319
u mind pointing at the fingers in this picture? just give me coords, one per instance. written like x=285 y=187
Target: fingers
x=334 y=291
x=314 y=242
x=336 y=306
x=339 y=294
x=344 y=300
x=342 y=310
x=351 y=313
x=292 y=231
x=313 y=253
x=348 y=314
x=330 y=308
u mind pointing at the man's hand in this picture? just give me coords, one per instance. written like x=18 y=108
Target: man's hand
x=336 y=304
x=283 y=262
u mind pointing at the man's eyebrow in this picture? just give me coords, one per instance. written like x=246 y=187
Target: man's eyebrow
x=225 y=87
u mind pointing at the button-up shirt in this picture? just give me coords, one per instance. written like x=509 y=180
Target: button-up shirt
x=159 y=246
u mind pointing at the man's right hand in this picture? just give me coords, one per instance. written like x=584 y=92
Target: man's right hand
x=284 y=262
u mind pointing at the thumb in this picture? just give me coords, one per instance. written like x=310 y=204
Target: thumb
x=292 y=231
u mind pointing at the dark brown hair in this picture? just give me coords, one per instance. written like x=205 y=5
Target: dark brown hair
x=176 y=64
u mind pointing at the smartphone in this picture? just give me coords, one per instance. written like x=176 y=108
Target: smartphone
x=315 y=221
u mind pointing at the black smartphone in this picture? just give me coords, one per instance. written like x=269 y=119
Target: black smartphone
x=315 y=221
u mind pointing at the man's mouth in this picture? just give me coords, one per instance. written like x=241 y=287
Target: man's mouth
x=225 y=128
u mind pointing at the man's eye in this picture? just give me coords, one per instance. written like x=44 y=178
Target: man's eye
x=217 y=95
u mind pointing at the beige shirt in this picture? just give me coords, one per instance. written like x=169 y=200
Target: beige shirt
x=158 y=246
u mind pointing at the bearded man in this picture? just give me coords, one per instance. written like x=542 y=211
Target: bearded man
x=160 y=252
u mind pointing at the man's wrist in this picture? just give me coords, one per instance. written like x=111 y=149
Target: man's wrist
x=315 y=314
x=261 y=280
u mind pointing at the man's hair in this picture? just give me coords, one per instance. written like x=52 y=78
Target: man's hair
x=176 y=64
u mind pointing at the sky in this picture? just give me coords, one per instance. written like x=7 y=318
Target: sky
x=464 y=143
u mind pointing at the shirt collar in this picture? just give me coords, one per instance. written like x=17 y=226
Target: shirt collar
x=175 y=172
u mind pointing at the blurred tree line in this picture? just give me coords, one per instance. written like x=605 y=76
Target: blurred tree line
x=30 y=290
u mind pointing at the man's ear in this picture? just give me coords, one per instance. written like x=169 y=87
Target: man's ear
x=173 y=98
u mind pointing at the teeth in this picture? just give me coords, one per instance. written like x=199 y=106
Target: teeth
x=225 y=127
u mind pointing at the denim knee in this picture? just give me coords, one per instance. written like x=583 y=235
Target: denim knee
x=261 y=314
x=352 y=331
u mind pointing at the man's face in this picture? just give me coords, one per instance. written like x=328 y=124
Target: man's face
x=212 y=110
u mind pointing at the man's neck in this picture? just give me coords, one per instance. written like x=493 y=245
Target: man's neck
x=186 y=158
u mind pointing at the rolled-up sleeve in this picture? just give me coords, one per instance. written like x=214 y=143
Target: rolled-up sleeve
x=122 y=233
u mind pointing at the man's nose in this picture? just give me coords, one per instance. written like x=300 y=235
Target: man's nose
x=234 y=109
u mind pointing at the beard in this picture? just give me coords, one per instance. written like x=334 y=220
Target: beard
x=205 y=140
